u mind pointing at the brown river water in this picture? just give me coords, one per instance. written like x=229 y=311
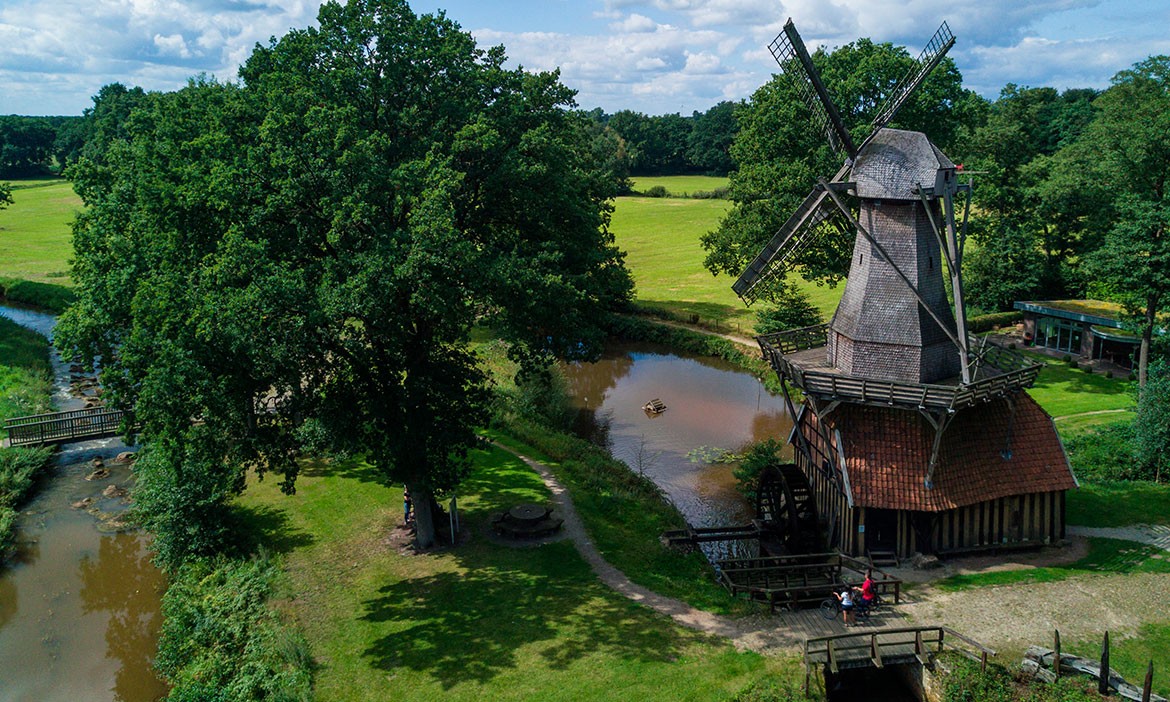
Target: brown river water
x=79 y=600
x=711 y=406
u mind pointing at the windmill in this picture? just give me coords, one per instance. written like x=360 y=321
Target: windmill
x=895 y=368
x=894 y=320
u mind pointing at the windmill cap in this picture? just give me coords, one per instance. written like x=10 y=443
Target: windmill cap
x=895 y=162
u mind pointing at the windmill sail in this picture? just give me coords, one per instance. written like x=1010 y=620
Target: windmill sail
x=816 y=217
x=788 y=50
x=935 y=50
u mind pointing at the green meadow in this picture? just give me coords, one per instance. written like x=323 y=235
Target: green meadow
x=661 y=238
x=35 y=231
x=485 y=621
x=680 y=185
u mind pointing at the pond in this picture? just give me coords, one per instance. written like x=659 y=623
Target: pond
x=712 y=406
x=79 y=600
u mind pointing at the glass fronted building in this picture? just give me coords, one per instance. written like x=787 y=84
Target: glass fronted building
x=1090 y=329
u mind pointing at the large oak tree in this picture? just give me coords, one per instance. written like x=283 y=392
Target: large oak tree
x=298 y=260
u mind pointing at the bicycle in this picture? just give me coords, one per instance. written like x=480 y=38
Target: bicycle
x=831 y=606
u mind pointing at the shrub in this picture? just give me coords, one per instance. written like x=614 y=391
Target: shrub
x=987 y=322
x=758 y=457
x=1108 y=374
x=1106 y=454
x=1066 y=358
x=792 y=310
x=220 y=641
x=47 y=296
x=657 y=191
x=19 y=468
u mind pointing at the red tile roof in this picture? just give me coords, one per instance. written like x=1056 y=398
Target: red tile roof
x=887 y=452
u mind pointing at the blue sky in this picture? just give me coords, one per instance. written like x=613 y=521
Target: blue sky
x=654 y=56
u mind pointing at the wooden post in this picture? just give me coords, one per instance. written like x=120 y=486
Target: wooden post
x=1148 y=686
x=1056 y=660
x=1103 y=678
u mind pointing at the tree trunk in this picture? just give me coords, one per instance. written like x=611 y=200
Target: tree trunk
x=1147 y=338
x=424 y=517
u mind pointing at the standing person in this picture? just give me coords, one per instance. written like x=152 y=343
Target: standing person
x=407 y=506
x=845 y=597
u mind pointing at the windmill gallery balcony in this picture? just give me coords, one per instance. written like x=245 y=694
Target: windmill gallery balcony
x=799 y=356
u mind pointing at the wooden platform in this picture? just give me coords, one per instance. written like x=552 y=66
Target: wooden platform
x=793 y=582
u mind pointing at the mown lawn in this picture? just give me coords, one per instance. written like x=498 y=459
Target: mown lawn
x=479 y=622
x=682 y=185
x=1064 y=391
x=661 y=238
x=35 y=234
x=1117 y=503
x=1105 y=556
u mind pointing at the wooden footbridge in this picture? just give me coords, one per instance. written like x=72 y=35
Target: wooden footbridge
x=63 y=427
x=887 y=647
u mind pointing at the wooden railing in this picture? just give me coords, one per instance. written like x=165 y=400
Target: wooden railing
x=800 y=579
x=876 y=649
x=62 y=427
x=1013 y=372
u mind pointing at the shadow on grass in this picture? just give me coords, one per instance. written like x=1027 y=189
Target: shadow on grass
x=270 y=527
x=348 y=468
x=471 y=626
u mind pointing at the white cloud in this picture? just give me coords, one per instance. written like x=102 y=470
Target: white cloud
x=172 y=45
x=635 y=23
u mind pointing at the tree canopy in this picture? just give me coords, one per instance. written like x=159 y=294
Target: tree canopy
x=298 y=260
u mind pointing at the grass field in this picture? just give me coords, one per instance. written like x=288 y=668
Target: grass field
x=679 y=185
x=35 y=231
x=484 y=622
x=1064 y=391
x=1105 y=556
x=661 y=238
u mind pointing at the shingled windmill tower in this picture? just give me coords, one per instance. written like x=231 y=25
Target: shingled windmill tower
x=915 y=436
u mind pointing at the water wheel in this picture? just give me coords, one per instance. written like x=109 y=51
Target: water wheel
x=785 y=507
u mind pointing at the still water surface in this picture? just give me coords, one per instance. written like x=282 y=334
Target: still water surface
x=79 y=601
x=710 y=405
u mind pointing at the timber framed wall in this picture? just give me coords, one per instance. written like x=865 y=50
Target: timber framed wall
x=1031 y=519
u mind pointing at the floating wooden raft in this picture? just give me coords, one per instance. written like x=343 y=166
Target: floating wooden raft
x=654 y=406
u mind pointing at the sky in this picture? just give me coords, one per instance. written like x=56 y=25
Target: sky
x=652 y=56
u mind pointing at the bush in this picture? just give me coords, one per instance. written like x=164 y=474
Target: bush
x=46 y=296
x=19 y=468
x=1106 y=454
x=758 y=457
x=1088 y=368
x=1066 y=358
x=987 y=322
x=657 y=191
x=792 y=310
x=221 y=642
x=1108 y=374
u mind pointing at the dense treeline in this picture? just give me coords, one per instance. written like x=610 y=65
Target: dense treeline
x=32 y=146
x=673 y=144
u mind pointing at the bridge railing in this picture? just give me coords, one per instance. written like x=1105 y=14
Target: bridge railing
x=876 y=649
x=60 y=427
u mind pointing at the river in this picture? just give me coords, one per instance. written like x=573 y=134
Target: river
x=712 y=406
x=79 y=600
